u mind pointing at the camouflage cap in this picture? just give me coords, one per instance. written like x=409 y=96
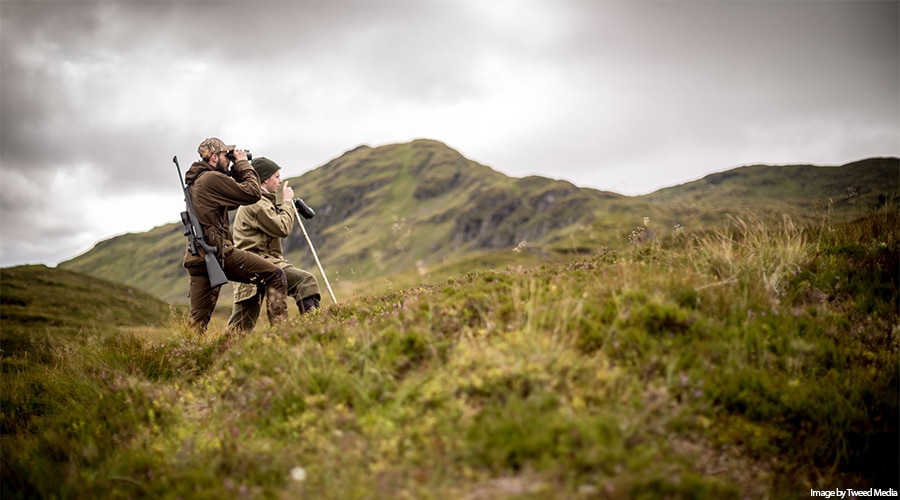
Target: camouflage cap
x=211 y=146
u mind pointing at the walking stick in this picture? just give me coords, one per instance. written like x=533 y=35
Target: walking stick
x=303 y=211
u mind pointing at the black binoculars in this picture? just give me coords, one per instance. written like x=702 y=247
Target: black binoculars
x=303 y=209
x=230 y=155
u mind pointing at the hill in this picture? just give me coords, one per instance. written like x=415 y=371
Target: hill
x=807 y=193
x=406 y=213
x=37 y=302
x=753 y=361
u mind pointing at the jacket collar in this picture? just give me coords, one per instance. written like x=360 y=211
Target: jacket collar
x=267 y=195
x=198 y=168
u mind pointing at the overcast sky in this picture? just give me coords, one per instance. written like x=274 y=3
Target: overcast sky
x=630 y=97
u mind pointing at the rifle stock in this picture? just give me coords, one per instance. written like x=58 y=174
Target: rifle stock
x=216 y=274
x=194 y=231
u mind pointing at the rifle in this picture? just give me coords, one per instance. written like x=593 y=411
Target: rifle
x=194 y=231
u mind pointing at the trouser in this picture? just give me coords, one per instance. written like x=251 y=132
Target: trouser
x=301 y=287
x=244 y=267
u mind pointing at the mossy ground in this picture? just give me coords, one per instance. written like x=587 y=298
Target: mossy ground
x=749 y=362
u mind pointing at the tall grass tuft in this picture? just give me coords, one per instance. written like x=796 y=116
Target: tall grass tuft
x=753 y=261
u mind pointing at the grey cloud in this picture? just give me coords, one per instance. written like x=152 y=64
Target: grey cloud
x=102 y=94
x=72 y=61
x=39 y=223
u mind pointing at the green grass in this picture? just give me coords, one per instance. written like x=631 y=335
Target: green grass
x=39 y=303
x=756 y=360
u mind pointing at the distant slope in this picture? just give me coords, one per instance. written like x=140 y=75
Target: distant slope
x=150 y=261
x=421 y=210
x=36 y=299
x=802 y=191
x=383 y=210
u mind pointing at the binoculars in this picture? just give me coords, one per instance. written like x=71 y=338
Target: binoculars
x=303 y=209
x=230 y=155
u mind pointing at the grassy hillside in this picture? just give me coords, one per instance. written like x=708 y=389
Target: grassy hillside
x=756 y=360
x=807 y=193
x=150 y=261
x=37 y=303
x=399 y=214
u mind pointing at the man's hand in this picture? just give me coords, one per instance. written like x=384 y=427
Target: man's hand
x=287 y=194
x=239 y=154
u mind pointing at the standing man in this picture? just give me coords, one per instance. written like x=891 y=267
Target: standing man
x=258 y=229
x=215 y=190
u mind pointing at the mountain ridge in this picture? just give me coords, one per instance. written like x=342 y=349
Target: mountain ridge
x=423 y=210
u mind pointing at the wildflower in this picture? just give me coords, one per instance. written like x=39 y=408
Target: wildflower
x=637 y=235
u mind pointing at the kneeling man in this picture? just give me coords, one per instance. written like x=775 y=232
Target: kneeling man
x=258 y=229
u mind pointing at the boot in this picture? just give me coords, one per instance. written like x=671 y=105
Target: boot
x=308 y=304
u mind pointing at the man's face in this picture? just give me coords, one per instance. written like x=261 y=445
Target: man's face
x=272 y=183
x=223 y=161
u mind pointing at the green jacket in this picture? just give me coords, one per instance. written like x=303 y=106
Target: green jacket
x=259 y=228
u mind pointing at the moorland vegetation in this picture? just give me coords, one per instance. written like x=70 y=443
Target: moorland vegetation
x=755 y=359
